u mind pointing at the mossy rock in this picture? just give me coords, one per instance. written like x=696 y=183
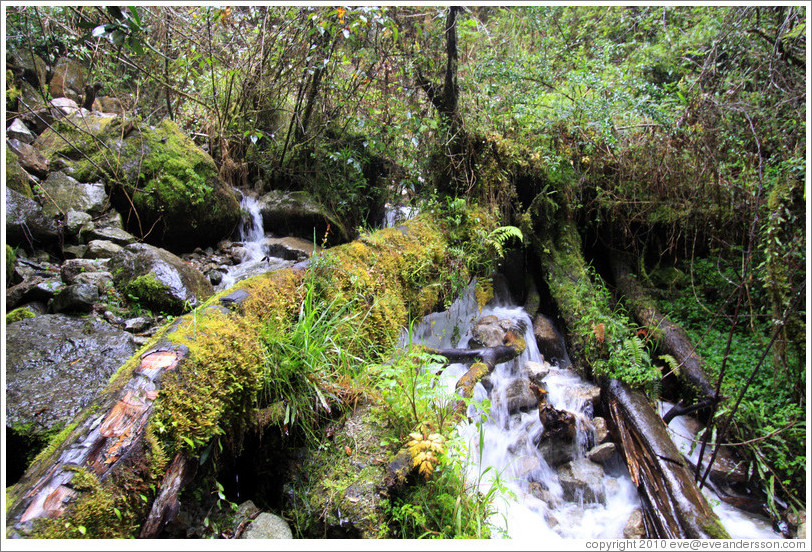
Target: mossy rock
x=166 y=187
x=19 y=314
x=16 y=177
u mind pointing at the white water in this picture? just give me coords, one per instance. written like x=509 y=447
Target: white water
x=395 y=215
x=740 y=524
x=509 y=454
x=251 y=232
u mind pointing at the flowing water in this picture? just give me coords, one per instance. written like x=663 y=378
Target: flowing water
x=533 y=500
x=251 y=233
x=739 y=523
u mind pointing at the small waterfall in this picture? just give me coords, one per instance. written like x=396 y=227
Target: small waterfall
x=397 y=214
x=255 y=258
x=536 y=500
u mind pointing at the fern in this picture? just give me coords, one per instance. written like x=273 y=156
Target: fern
x=500 y=235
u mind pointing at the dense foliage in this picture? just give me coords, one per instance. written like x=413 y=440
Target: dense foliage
x=677 y=133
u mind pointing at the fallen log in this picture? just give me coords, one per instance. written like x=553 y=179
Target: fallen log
x=198 y=376
x=673 y=507
x=672 y=338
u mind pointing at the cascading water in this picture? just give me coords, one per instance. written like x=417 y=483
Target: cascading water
x=255 y=258
x=533 y=502
x=739 y=523
x=540 y=497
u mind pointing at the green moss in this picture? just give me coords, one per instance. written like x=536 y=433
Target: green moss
x=11 y=258
x=19 y=314
x=151 y=293
x=16 y=177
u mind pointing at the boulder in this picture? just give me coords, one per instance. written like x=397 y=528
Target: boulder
x=297 y=213
x=56 y=364
x=267 y=526
x=487 y=332
x=72 y=268
x=62 y=107
x=601 y=429
x=68 y=80
x=26 y=225
x=66 y=194
x=75 y=298
x=557 y=443
x=99 y=280
x=29 y=157
x=549 y=341
x=108 y=104
x=519 y=397
x=581 y=479
x=536 y=371
x=18 y=130
x=290 y=248
x=29 y=66
x=111 y=234
x=588 y=394
x=101 y=249
x=160 y=279
x=75 y=220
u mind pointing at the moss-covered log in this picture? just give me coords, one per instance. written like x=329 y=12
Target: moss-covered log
x=671 y=337
x=603 y=346
x=202 y=375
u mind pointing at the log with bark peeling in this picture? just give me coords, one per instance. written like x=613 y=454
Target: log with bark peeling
x=673 y=506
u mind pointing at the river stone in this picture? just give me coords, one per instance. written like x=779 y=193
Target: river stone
x=635 y=528
x=601 y=453
x=18 y=131
x=31 y=67
x=601 y=429
x=549 y=341
x=56 y=364
x=582 y=479
x=66 y=194
x=29 y=157
x=519 y=397
x=18 y=179
x=75 y=298
x=160 y=279
x=536 y=371
x=68 y=80
x=102 y=249
x=268 y=526
x=589 y=394
x=24 y=219
x=138 y=324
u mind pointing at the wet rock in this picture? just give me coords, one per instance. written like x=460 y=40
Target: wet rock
x=35 y=288
x=25 y=221
x=635 y=527
x=18 y=178
x=601 y=453
x=75 y=220
x=19 y=131
x=72 y=268
x=138 y=324
x=62 y=107
x=56 y=364
x=581 y=479
x=290 y=248
x=601 y=429
x=32 y=109
x=539 y=491
x=102 y=249
x=486 y=333
x=160 y=279
x=524 y=466
x=74 y=251
x=111 y=234
x=589 y=394
x=99 y=280
x=68 y=79
x=295 y=213
x=557 y=441
x=67 y=194
x=549 y=341
x=75 y=298
x=519 y=397
x=536 y=371
x=29 y=157
x=215 y=277
x=268 y=526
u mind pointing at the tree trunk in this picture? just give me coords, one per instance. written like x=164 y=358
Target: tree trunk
x=672 y=505
x=672 y=337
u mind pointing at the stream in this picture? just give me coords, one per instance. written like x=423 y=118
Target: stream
x=534 y=499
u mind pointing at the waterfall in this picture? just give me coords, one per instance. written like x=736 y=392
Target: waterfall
x=535 y=500
x=251 y=233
